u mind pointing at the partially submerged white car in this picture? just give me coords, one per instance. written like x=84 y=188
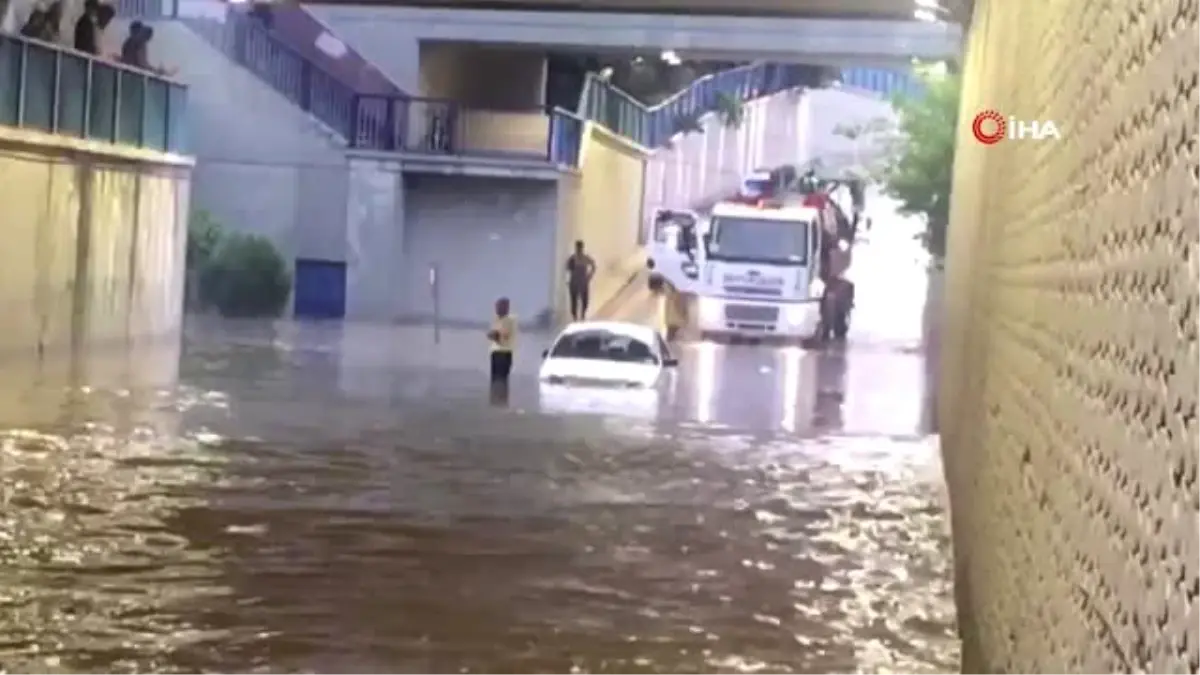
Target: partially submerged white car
x=607 y=354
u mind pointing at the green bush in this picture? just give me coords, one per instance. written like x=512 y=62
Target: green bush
x=204 y=234
x=245 y=276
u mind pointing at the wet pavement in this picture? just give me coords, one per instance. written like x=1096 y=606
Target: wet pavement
x=329 y=498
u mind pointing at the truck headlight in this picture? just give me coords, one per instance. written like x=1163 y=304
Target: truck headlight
x=690 y=270
x=710 y=309
x=794 y=314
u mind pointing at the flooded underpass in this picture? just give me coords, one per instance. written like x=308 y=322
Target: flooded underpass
x=333 y=498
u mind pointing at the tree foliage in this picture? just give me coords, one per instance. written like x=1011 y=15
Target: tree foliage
x=920 y=170
x=241 y=275
x=247 y=277
x=731 y=110
x=204 y=233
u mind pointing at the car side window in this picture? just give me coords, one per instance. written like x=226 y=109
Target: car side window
x=636 y=351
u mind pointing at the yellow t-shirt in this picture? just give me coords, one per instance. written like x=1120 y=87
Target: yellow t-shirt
x=506 y=328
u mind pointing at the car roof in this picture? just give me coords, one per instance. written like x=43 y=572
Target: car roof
x=623 y=328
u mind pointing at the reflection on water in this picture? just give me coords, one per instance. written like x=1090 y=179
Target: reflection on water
x=253 y=510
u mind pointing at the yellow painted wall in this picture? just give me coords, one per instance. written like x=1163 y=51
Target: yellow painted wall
x=93 y=248
x=602 y=206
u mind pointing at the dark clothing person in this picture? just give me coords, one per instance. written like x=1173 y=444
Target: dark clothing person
x=135 y=49
x=580 y=268
x=43 y=24
x=35 y=25
x=96 y=18
x=579 y=302
x=501 y=368
x=263 y=13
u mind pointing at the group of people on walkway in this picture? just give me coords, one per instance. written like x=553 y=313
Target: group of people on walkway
x=45 y=23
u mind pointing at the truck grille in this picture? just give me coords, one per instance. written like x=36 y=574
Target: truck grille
x=755 y=313
x=754 y=290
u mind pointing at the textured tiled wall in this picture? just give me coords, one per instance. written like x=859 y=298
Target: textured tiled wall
x=1069 y=378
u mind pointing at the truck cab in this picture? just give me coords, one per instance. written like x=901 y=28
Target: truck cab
x=761 y=274
x=673 y=247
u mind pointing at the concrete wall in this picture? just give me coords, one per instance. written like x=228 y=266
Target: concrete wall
x=489 y=77
x=486 y=236
x=699 y=168
x=93 y=250
x=388 y=36
x=263 y=165
x=601 y=205
x=787 y=128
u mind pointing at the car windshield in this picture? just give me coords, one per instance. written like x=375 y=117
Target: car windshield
x=760 y=240
x=603 y=345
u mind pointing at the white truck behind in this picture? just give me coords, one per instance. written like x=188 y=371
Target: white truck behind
x=760 y=274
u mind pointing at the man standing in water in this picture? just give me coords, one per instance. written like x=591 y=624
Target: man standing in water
x=501 y=338
x=580 y=268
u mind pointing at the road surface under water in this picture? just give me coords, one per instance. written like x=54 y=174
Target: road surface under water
x=349 y=499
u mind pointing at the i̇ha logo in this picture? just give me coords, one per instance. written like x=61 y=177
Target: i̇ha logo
x=990 y=127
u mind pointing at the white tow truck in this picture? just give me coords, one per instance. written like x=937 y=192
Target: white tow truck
x=760 y=275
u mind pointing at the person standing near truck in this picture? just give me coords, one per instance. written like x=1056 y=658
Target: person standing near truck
x=580 y=269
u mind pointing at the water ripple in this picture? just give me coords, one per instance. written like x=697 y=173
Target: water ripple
x=247 y=523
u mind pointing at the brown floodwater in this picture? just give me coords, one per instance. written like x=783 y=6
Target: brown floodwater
x=350 y=499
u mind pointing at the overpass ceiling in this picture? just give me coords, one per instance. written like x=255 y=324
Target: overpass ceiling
x=831 y=9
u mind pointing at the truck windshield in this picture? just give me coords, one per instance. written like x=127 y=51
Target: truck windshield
x=759 y=240
x=757 y=187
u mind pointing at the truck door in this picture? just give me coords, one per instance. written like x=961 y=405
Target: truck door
x=666 y=245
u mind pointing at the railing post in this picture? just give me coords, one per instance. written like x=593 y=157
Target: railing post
x=115 y=134
x=22 y=79
x=88 y=85
x=453 y=131
x=56 y=92
x=166 y=140
x=352 y=122
x=141 y=118
x=392 y=141
x=305 y=86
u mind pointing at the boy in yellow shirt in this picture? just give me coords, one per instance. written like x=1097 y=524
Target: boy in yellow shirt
x=502 y=338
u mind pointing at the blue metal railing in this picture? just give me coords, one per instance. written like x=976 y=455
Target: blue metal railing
x=368 y=120
x=61 y=91
x=652 y=126
x=440 y=126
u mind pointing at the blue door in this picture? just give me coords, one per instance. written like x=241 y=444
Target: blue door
x=320 y=289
